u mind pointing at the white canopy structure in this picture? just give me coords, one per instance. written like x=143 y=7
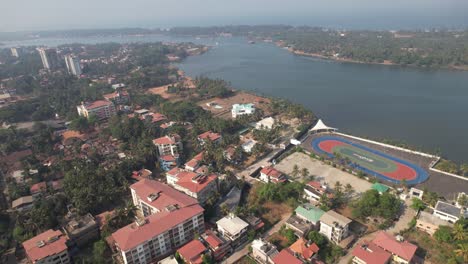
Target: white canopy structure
x=321 y=127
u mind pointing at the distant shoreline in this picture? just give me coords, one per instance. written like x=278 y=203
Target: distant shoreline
x=386 y=62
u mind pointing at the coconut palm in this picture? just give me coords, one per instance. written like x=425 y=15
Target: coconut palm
x=295 y=171
x=462 y=251
x=304 y=172
x=459 y=233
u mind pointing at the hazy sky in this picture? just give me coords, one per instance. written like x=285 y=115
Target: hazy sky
x=65 y=14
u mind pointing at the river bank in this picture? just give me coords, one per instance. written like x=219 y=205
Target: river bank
x=347 y=60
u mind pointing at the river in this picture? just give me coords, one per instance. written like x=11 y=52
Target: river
x=425 y=108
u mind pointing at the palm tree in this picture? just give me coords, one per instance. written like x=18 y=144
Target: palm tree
x=459 y=233
x=304 y=172
x=462 y=251
x=295 y=171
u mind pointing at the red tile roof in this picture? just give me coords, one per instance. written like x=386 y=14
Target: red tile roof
x=315 y=184
x=371 y=253
x=167 y=195
x=50 y=248
x=194 y=182
x=274 y=174
x=212 y=239
x=133 y=235
x=195 y=161
x=168 y=158
x=300 y=247
x=97 y=104
x=141 y=174
x=38 y=187
x=102 y=218
x=286 y=257
x=192 y=252
x=209 y=135
x=115 y=94
x=157 y=117
x=166 y=140
x=404 y=250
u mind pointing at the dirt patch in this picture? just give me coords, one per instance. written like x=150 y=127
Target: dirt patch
x=275 y=212
x=279 y=241
x=221 y=107
x=429 y=249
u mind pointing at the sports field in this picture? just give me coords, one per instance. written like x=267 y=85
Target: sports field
x=370 y=161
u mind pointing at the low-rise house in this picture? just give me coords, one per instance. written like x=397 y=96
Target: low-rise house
x=263 y=251
x=255 y=222
x=218 y=246
x=234 y=229
x=209 y=136
x=118 y=97
x=18 y=176
x=266 y=123
x=195 y=162
x=286 y=256
x=370 y=253
x=168 y=162
x=334 y=226
x=155 y=118
x=193 y=252
x=38 y=189
x=196 y=185
x=270 y=174
x=172 y=219
x=142 y=174
x=402 y=251
x=380 y=187
x=447 y=212
x=242 y=109
x=49 y=247
x=304 y=250
x=23 y=203
x=314 y=190
x=232 y=155
x=101 y=109
x=429 y=223
x=81 y=229
x=310 y=214
x=168 y=145
x=248 y=146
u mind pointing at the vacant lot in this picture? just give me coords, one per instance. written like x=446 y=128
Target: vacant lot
x=222 y=106
x=322 y=172
x=429 y=249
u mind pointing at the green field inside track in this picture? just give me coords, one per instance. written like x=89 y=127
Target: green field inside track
x=366 y=159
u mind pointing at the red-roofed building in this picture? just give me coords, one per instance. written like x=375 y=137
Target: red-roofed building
x=286 y=256
x=48 y=247
x=369 y=253
x=38 y=188
x=168 y=162
x=118 y=97
x=101 y=109
x=168 y=145
x=198 y=186
x=218 y=246
x=141 y=174
x=402 y=252
x=103 y=218
x=304 y=250
x=270 y=174
x=155 y=118
x=193 y=251
x=172 y=219
x=209 y=136
x=314 y=190
x=195 y=162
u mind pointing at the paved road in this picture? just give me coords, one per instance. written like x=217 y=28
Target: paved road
x=245 y=250
x=401 y=224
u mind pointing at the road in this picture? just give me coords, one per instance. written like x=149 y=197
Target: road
x=400 y=225
x=245 y=250
x=261 y=163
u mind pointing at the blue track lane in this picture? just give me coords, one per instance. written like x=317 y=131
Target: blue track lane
x=421 y=174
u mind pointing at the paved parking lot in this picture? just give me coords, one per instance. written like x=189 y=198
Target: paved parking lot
x=322 y=172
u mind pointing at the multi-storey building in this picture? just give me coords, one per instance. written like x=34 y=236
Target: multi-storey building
x=402 y=251
x=447 y=212
x=171 y=220
x=196 y=185
x=314 y=190
x=49 y=58
x=234 y=229
x=15 y=52
x=81 y=229
x=168 y=145
x=263 y=251
x=49 y=247
x=101 y=109
x=118 y=97
x=334 y=226
x=73 y=65
x=218 y=246
x=193 y=252
x=242 y=109
x=209 y=136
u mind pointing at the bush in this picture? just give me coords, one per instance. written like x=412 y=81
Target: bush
x=444 y=234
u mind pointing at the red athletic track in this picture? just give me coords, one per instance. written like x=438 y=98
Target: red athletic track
x=402 y=171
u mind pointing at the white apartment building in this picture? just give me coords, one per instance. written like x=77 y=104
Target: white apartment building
x=234 y=229
x=73 y=65
x=168 y=145
x=334 y=226
x=101 y=109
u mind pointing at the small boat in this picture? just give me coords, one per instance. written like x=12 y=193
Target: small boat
x=251 y=42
